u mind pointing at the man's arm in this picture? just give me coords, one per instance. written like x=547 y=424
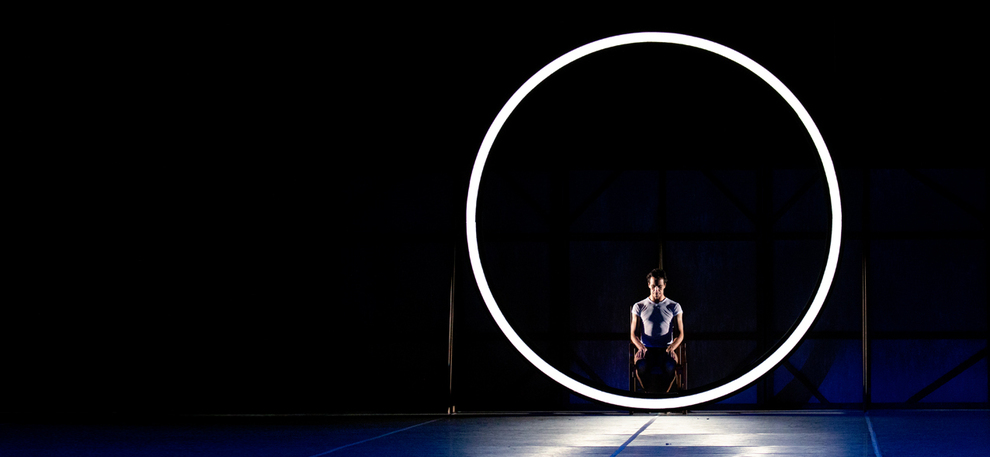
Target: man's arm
x=634 y=335
x=680 y=335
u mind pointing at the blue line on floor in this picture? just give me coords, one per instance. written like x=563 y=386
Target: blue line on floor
x=375 y=438
x=873 y=436
x=631 y=438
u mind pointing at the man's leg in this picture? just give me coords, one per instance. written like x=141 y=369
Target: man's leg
x=643 y=373
x=669 y=372
x=648 y=370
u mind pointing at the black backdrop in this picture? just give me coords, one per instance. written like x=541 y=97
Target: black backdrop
x=263 y=212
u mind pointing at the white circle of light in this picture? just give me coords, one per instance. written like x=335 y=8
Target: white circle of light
x=763 y=367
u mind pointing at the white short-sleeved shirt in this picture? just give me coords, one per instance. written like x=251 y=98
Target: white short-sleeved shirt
x=656 y=318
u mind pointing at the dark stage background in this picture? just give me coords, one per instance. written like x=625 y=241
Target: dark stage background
x=264 y=212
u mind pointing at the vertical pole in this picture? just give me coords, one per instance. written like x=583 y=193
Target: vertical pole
x=662 y=213
x=450 y=341
x=866 y=332
x=867 y=394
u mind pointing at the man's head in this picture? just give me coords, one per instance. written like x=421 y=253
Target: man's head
x=657 y=282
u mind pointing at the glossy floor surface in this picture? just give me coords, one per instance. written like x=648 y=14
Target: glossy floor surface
x=824 y=433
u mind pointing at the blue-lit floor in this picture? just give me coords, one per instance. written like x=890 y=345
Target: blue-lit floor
x=825 y=433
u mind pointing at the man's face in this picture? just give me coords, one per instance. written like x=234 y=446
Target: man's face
x=656 y=287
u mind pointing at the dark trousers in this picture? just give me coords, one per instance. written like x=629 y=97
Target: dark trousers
x=656 y=370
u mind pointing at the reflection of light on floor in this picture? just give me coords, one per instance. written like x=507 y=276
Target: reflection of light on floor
x=694 y=434
x=538 y=435
x=759 y=433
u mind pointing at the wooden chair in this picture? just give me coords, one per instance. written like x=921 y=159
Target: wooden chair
x=677 y=383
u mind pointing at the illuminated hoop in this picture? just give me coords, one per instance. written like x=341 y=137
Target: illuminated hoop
x=763 y=367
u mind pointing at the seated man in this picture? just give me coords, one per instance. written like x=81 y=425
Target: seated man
x=652 y=332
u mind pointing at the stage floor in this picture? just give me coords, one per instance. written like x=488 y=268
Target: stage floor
x=720 y=433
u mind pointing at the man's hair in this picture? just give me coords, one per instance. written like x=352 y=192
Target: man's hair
x=659 y=274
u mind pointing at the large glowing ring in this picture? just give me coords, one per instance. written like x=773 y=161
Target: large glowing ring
x=720 y=391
